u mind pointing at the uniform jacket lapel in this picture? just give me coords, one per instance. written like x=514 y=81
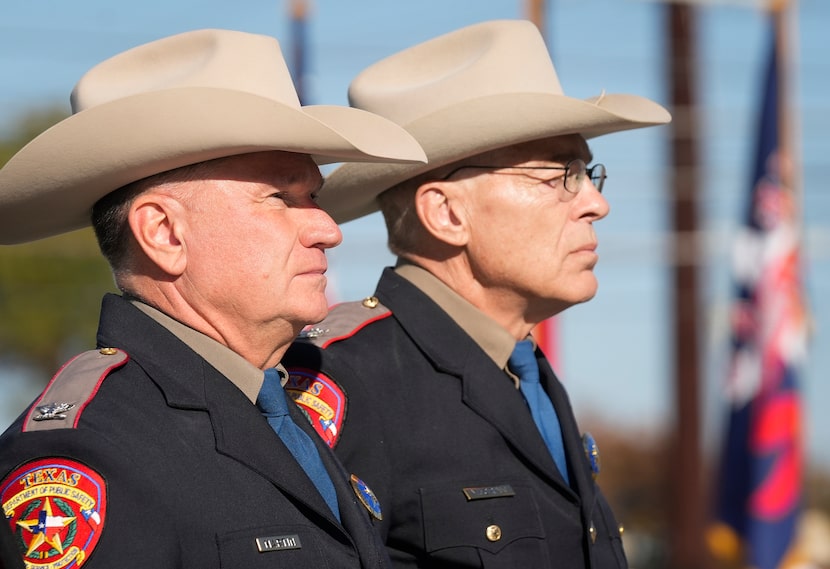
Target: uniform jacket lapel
x=581 y=475
x=353 y=515
x=248 y=438
x=486 y=389
x=243 y=434
x=188 y=382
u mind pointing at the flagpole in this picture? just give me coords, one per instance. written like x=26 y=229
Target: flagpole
x=778 y=10
x=782 y=12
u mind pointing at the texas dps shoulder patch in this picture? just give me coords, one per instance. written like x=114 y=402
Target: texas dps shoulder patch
x=321 y=398
x=56 y=509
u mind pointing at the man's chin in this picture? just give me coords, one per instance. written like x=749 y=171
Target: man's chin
x=317 y=310
x=583 y=296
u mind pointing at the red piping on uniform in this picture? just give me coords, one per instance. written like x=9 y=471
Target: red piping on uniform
x=98 y=386
x=363 y=324
x=82 y=406
x=45 y=391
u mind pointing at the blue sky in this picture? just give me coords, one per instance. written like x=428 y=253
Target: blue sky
x=616 y=349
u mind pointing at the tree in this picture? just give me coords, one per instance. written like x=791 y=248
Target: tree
x=50 y=289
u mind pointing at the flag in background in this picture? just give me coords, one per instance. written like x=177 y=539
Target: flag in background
x=546 y=338
x=759 y=486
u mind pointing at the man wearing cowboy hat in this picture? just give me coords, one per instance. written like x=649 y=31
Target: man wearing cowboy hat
x=428 y=385
x=195 y=163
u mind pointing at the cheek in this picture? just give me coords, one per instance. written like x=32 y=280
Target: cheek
x=250 y=260
x=272 y=265
x=543 y=237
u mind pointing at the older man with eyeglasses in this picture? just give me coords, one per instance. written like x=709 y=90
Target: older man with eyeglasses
x=433 y=386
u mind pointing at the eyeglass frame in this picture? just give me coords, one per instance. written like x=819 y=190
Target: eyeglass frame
x=589 y=172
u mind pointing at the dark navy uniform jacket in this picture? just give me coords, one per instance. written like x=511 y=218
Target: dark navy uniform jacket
x=193 y=476
x=448 y=445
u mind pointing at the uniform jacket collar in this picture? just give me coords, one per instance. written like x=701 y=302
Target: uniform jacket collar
x=486 y=388
x=188 y=382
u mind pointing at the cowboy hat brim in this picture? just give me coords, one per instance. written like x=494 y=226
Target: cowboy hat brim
x=478 y=125
x=50 y=186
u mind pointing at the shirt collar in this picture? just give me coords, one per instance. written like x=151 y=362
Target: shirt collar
x=244 y=375
x=496 y=342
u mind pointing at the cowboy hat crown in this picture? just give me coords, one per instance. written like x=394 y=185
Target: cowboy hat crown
x=169 y=103
x=485 y=86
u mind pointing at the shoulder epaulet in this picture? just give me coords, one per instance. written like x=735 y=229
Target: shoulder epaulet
x=72 y=388
x=344 y=320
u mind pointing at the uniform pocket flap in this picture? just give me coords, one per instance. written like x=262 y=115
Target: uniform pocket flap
x=484 y=516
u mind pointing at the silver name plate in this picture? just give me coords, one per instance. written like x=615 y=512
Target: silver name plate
x=485 y=492
x=278 y=543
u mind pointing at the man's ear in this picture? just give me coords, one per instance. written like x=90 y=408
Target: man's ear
x=440 y=206
x=158 y=226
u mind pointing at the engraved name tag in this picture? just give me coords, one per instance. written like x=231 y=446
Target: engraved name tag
x=278 y=543
x=484 y=492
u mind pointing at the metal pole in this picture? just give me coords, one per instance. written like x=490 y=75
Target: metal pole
x=687 y=498
x=299 y=12
x=536 y=11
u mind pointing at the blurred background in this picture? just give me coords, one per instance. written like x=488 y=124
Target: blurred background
x=647 y=362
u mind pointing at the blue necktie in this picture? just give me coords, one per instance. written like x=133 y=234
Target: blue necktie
x=273 y=403
x=522 y=362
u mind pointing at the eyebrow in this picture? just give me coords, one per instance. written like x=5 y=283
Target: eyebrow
x=300 y=179
x=565 y=157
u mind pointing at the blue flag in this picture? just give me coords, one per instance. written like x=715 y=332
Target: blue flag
x=760 y=480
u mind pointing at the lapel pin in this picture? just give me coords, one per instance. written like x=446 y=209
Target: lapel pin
x=591 y=453
x=366 y=497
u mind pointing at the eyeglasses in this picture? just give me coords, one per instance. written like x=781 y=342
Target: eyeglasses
x=575 y=173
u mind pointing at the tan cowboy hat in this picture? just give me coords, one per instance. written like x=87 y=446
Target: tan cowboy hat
x=482 y=87
x=169 y=103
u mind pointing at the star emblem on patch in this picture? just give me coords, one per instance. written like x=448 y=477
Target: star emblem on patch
x=56 y=509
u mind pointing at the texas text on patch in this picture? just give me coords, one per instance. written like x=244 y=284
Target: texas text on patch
x=56 y=509
x=321 y=398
